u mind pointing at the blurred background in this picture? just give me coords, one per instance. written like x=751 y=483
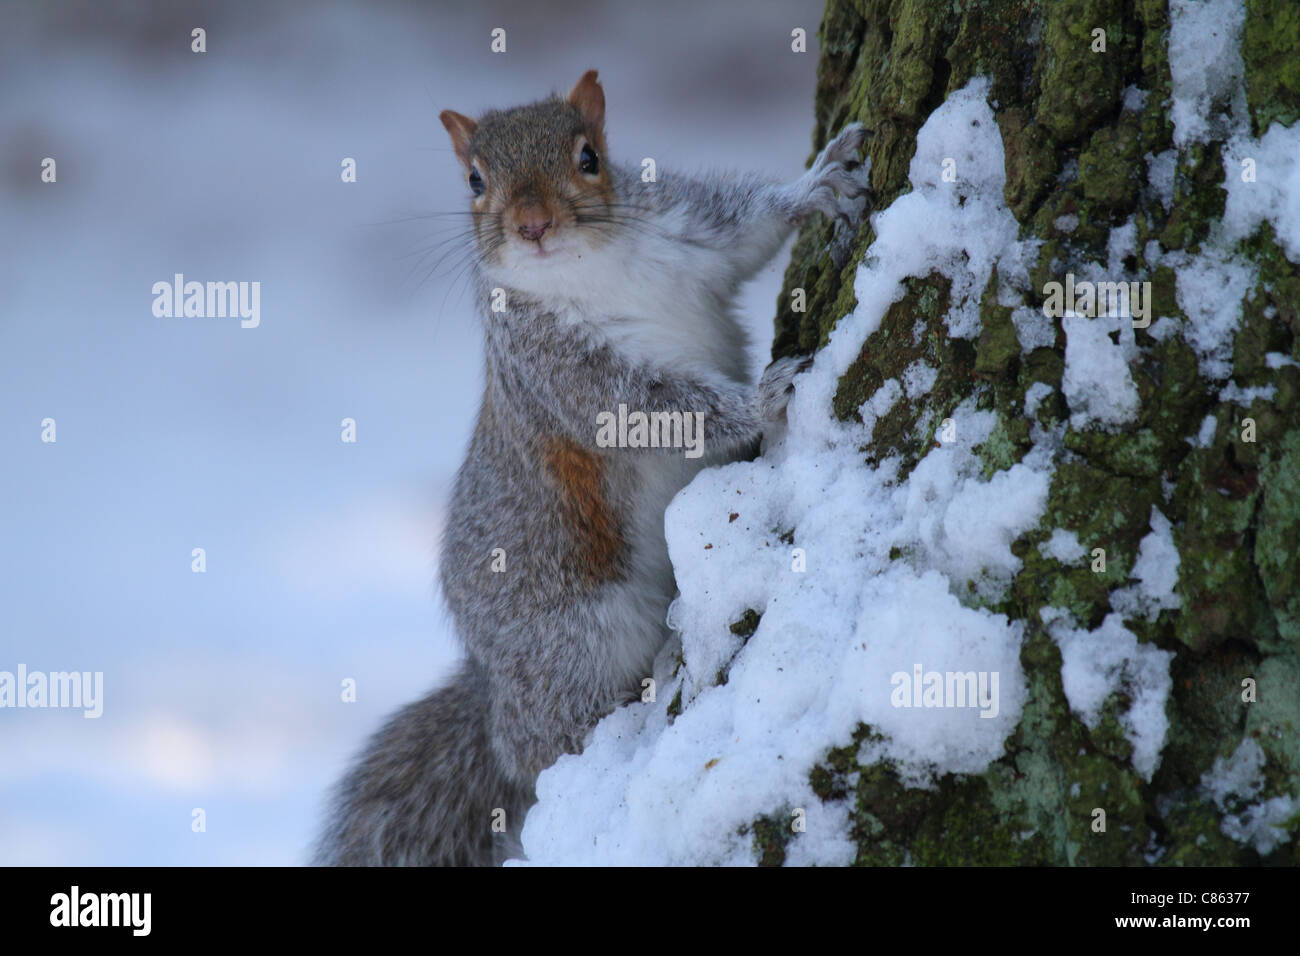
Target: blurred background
x=222 y=690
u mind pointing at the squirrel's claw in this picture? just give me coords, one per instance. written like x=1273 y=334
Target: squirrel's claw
x=844 y=147
x=836 y=172
x=777 y=385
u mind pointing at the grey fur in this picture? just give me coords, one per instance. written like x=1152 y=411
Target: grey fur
x=551 y=646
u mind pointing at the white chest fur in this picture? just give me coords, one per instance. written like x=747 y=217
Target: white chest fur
x=646 y=292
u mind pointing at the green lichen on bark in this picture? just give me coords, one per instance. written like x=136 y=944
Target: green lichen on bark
x=770 y=836
x=1075 y=152
x=1269 y=46
x=747 y=625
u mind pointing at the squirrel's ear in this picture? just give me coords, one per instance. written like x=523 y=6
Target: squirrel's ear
x=589 y=98
x=460 y=128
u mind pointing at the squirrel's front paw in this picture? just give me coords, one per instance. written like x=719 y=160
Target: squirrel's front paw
x=836 y=172
x=777 y=385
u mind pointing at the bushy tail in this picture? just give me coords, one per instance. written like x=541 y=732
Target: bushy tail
x=424 y=790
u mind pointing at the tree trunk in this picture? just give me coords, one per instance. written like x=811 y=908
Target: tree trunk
x=1079 y=150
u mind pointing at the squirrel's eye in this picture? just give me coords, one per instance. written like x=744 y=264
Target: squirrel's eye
x=588 y=162
x=476 y=183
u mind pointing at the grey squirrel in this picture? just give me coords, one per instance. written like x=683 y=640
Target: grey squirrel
x=599 y=290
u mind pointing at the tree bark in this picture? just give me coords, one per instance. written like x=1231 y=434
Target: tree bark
x=1074 y=152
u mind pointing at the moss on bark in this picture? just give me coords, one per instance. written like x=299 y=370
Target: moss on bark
x=1073 y=150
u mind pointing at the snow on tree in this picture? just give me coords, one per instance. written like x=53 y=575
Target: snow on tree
x=1025 y=551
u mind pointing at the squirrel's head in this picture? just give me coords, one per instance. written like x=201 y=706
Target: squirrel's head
x=537 y=174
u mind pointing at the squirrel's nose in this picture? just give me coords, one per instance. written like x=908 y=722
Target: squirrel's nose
x=532 y=227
